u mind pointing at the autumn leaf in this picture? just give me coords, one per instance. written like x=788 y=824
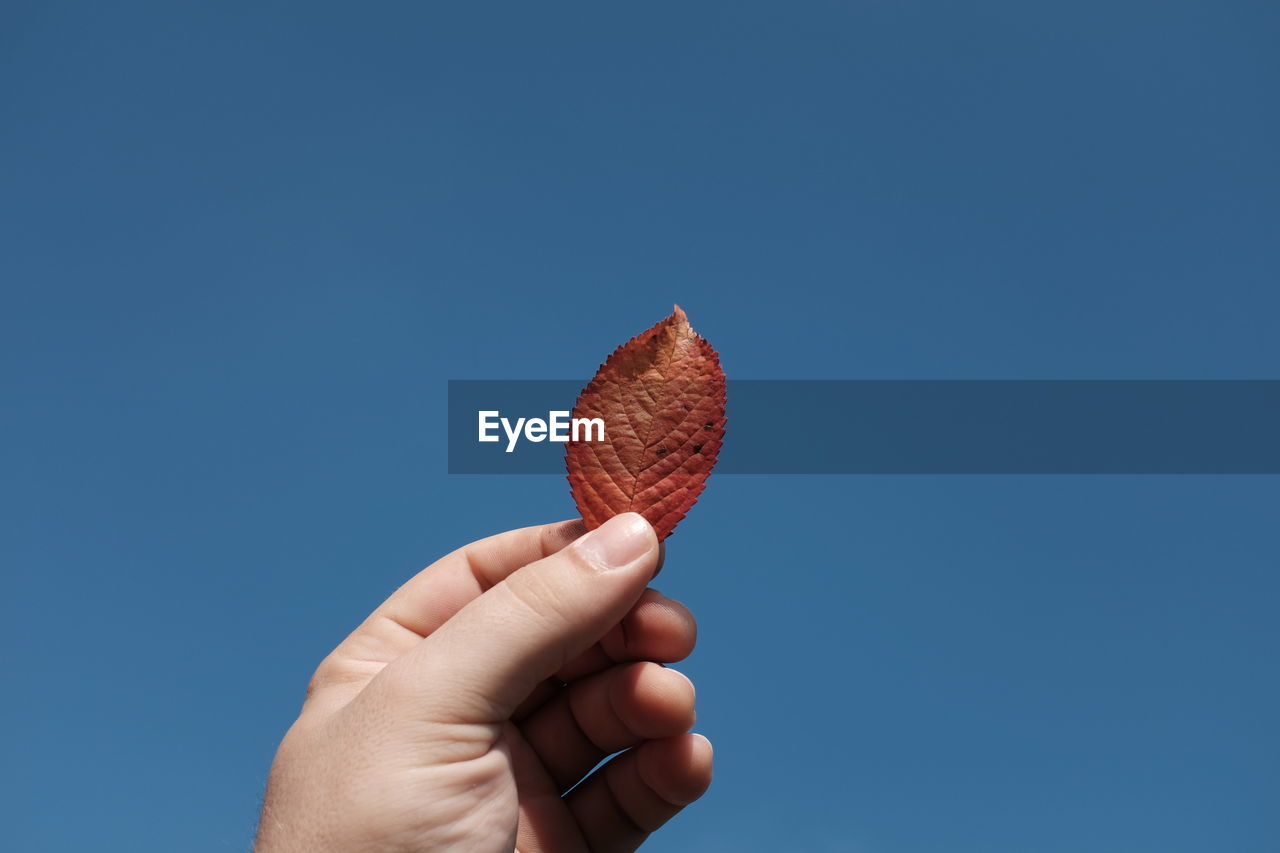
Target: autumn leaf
x=661 y=397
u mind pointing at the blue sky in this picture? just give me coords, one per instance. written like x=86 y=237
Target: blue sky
x=243 y=246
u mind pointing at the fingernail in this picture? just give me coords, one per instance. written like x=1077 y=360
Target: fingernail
x=618 y=542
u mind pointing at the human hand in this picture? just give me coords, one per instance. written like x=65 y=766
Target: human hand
x=460 y=713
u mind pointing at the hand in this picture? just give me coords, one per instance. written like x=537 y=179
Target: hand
x=458 y=715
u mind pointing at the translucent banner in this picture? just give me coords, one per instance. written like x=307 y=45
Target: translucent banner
x=911 y=426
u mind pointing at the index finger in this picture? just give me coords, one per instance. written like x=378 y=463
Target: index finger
x=428 y=599
x=424 y=602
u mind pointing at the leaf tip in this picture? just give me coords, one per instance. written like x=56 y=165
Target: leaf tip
x=680 y=322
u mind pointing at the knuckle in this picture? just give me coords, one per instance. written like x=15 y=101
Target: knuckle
x=337 y=669
x=322 y=677
x=537 y=597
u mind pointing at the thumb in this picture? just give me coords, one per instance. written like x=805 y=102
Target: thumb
x=490 y=655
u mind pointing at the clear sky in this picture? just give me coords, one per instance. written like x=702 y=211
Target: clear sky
x=243 y=246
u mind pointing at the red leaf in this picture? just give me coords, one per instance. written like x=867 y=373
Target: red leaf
x=661 y=397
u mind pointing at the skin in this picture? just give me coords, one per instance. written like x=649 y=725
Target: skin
x=459 y=715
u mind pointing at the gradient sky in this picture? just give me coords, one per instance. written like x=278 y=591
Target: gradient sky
x=243 y=246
